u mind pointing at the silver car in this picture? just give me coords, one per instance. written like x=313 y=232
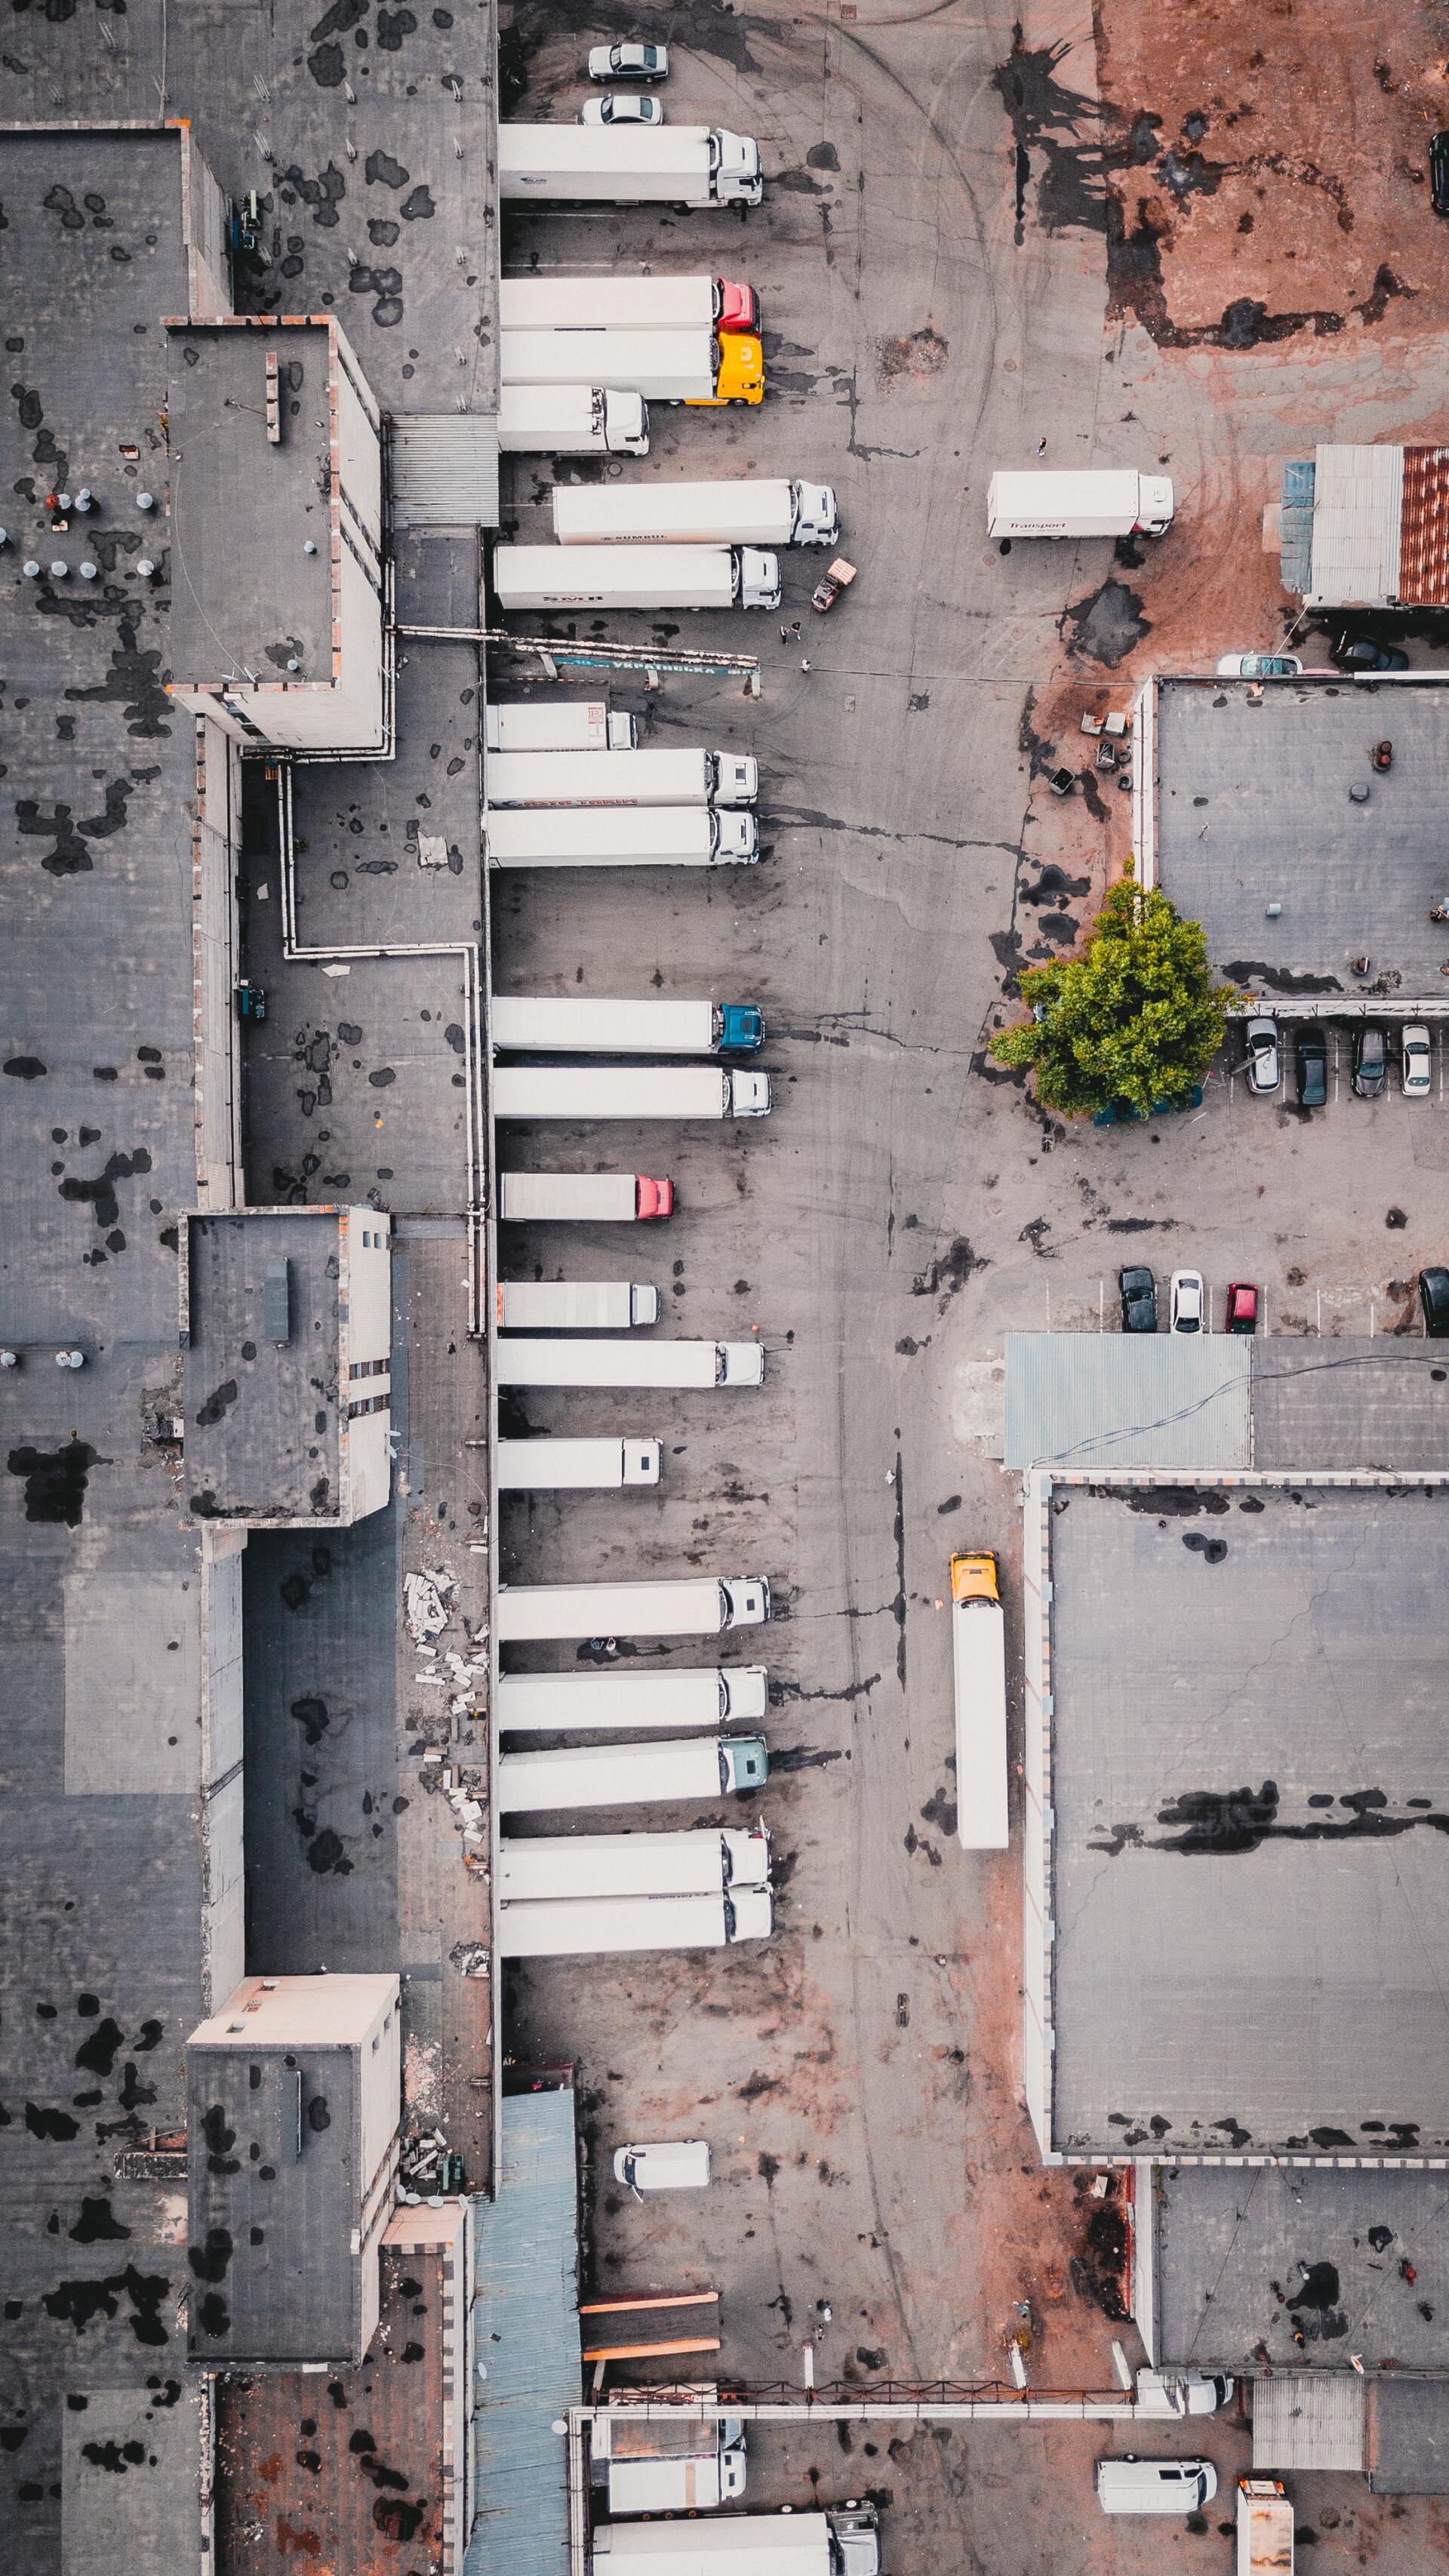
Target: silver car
x=1416 y=1062
x=1264 y=1067
x=629 y=62
x=622 y=107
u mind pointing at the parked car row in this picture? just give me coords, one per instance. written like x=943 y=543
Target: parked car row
x=1373 y=1060
x=1187 y=1302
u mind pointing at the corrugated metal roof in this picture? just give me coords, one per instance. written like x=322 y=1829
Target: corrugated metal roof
x=1127 y=1400
x=1424 y=527
x=1295 y=526
x=1357 y=504
x=526 y=2320
x=1309 y=2420
x=444 y=470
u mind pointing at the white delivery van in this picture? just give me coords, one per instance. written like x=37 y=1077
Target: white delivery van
x=567 y=1927
x=575 y=1305
x=645 y=577
x=1084 y=501
x=674 y=2164
x=621 y=836
x=728 y=513
x=556 y=724
x=576 y=1466
x=1155 y=2486
x=695 y=1695
x=683 y=777
x=572 y=420
x=650 y=2463
x=630 y=1775
x=696 y=1605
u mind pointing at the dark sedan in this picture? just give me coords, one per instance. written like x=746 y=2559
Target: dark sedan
x=1370 y=1063
x=1434 y=1298
x=1138 y=1291
x=1361 y=653
x=1312 y=1052
x=1439 y=174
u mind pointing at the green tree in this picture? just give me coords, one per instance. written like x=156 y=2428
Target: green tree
x=1132 y=1020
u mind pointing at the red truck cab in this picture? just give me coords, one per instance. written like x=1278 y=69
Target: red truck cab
x=736 y=308
x=653 y=1198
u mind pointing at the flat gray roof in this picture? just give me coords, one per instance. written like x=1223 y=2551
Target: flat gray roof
x=247 y=598
x=274 y=2157
x=262 y=1422
x=1250 y=1790
x=1253 y=808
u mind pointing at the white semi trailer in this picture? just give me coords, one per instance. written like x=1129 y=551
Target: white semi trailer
x=739 y=512
x=520 y=1362
x=697 y=1695
x=674 y=165
x=557 y=724
x=651 y=2465
x=693 y=1863
x=566 y=1927
x=660 y=366
x=647 y=577
x=575 y=1466
x=683 y=777
x=626 y=304
x=572 y=420
x=583 y=1198
x=628 y=1091
x=575 y=1305
x=571 y=1024
x=621 y=836
x=631 y=1775
x=845 y=2542
x=978 y=1651
x=1083 y=501
x=696 y=1605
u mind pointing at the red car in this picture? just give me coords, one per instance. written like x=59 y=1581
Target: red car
x=1242 y=1307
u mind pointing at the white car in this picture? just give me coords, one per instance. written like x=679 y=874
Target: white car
x=1261 y=1039
x=1186 y=1310
x=622 y=107
x=1416 y=1062
x=1259 y=666
x=672 y=2164
x=629 y=62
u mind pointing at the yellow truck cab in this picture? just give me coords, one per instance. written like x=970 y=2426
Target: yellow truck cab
x=973 y=1578
x=739 y=370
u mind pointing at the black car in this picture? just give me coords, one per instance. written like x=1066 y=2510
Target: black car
x=1312 y=1052
x=1361 y=653
x=1434 y=1298
x=1138 y=1291
x=1439 y=174
x=1370 y=1063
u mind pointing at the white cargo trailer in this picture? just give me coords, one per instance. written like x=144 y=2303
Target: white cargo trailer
x=575 y=1466
x=1083 y=501
x=583 y=1198
x=662 y=366
x=630 y=1363
x=739 y=512
x=646 y=577
x=621 y=836
x=697 y=1695
x=628 y=1091
x=684 y=777
x=693 y=1863
x=556 y=724
x=845 y=2542
x=594 y=1927
x=622 y=304
x=572 y=420
x=978 y=1651
x=651 y=2465
x=573 y=1024
x=675 y=165
x=697 y=1605
x=575 y=1305
x=631 y=1775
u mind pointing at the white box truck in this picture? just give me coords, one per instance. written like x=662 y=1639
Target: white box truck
x=845 y=2542
x=628 y=1091
x=583 y=1198
x=1265 y=2528
x=621 y=836
x=626 y=304
x=576 y=1466
x=697 y=1695
x=978 y=1654
x=1083 y=501
x=739 y=512
x=569 y=1024
x=647 y=577
x=528 y=1363
x=575 y=1305
x=648 y=2464
x=693 y=1605
x=557 y=724
x=684 y=777
x=692 y=367
x=631 y=1775
x=565 y=1927
x=572 y=420
x=693 y=1863
x=672 y=165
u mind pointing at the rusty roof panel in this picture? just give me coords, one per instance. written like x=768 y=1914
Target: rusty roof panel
x=1424 y=528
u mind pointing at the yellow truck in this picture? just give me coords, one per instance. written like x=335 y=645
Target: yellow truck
x=978 y=1655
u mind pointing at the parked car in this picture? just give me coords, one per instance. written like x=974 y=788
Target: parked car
x=1361 y=653
x=1138 y=1291
x=1370 y=1062
x=1185 y=1308
x=622 y=107
x=628 y=62
x=1259 y=666
x=1416 y=1062
x=1181 y=2392
x=1121 y=1113
x=1312 y=1069
x=1434 y=1298
x=1130 y=2485
x=1439 y=174
x=675 y=2164
x=1261 y=1040
x=1242 y=1315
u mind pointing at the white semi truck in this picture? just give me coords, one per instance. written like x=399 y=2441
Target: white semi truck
x=557 y=724
x=631 y=1775
x=520 y=1362
x=583 y=1198
x=695 y=1605
x=845 y=2542
x=576 y=1466
x=572 y=420
x=693 y=1863
x=696 y=367
x=568 y=1024
x=621 y=836
x=626 y=304
x=733 y=513
x=575 y=1305
x=628 y=1091
x=564 y=1927
x=624 y=165
x=978 y=1653
x=684 y=777
x=697 y=1695
x=646 y=577
x=1083 y=501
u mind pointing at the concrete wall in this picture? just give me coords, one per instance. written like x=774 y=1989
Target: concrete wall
x=224 y=1892
x=1143 y=2292
x=1036 y=1810
x=215 y=842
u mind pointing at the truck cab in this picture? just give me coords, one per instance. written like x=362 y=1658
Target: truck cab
x=652 y=1198
x=817 y=515
x=747 y=1601
x=739 y=368
x=749 y=1095
x=1154 y=506
x=736 y=777
x=734 y=165
x=746 y=1761
x=973 y=1578
x=741 y=1028
x=736 y=308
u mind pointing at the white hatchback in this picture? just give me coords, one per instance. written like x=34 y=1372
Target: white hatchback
x=1186 y=1312
x=1416 y=1062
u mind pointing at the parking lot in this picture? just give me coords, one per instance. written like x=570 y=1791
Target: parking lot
x=903 y=1208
